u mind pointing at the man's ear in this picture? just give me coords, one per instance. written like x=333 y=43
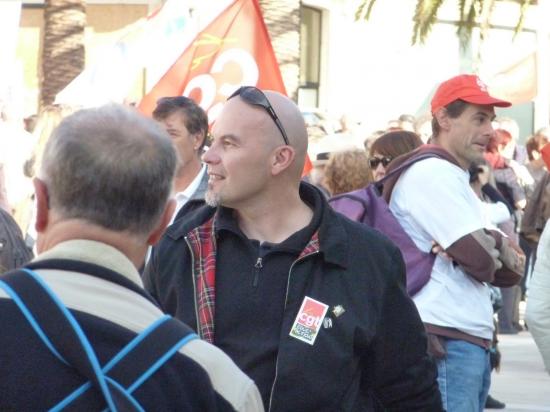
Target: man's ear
x=42 y=204
x=157 y=232
x=443 y=119
x=198 y=139
x=282 y=158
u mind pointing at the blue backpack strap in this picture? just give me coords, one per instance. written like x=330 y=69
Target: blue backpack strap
x=62 y=334
x=137 y=361
x=58 y=326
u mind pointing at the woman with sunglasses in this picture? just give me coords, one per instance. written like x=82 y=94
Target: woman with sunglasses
x=389 y=146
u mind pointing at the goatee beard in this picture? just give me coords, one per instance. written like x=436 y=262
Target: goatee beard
x=212 y=199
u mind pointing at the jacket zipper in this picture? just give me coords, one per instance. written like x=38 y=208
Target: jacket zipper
x=194 y=286
x=284 y=308
x=257 y=266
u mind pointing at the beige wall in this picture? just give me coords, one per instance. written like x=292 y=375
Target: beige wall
x=102 y=21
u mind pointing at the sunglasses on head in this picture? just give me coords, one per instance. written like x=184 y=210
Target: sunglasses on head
x=254 y=96
x=375 y=161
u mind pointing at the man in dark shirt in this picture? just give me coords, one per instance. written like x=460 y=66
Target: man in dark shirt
x=311 y=305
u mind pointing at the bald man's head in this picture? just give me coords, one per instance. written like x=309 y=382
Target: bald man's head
x=293 y=122
x=248 y=158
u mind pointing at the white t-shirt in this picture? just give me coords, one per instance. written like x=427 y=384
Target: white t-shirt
x=495 y=214
x=183 y=197
x=433 y=201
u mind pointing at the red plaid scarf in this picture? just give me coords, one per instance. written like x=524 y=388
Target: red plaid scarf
x=312 y=246
x=202 y=241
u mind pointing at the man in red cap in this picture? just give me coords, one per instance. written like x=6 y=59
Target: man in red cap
x=433 y=202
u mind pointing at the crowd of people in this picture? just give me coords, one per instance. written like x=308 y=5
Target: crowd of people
x=182 y=268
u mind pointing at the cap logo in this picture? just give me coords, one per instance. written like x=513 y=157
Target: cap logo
x=481 y=85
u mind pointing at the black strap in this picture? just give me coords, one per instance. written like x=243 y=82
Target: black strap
x=62 y=338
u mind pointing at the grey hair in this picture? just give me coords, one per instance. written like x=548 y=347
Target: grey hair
x=110 y=166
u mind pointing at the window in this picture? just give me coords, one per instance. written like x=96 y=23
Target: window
x=310 y=56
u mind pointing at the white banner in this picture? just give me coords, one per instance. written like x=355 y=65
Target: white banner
x=116 y=67
x=10 y=14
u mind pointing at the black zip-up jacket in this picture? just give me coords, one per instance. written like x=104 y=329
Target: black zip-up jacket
x=371 y=356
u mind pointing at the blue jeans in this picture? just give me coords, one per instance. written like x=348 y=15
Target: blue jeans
x=464 y=376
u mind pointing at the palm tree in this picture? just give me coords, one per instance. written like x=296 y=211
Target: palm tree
x=473 y=13
x=63 y=46
x=282 y=18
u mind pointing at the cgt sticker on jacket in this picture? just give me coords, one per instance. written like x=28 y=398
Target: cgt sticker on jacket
x=309 y=320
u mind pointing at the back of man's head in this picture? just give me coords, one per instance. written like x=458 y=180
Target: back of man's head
x=110 y=167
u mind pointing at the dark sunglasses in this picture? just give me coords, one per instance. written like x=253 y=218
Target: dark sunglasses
x=375 y=161
x=254 y=96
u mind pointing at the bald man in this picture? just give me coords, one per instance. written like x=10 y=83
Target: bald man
x=309 y=304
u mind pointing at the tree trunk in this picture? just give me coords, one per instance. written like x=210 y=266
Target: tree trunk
x=63 y=48
x=282 y=18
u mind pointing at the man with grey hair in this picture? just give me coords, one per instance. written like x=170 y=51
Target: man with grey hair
x=78 y=310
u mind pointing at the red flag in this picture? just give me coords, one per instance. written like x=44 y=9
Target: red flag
x=232 y=51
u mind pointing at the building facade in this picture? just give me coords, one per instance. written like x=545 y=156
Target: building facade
x=367 y=71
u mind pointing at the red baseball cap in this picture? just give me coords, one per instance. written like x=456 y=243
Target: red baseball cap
x=467 y=87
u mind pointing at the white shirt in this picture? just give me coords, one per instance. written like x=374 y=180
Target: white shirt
x=537 y=312
x=183 y=197
x=16 y=147
x=433 y=201
x=495 y=214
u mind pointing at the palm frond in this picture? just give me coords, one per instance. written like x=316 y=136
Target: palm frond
x=424 y=18
x=359 y=11
x=472 y=13
x=416 y=19
x=523 y=11
x=487 y=8
x=466 y=25
x=364 y=10
x=462 y=9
